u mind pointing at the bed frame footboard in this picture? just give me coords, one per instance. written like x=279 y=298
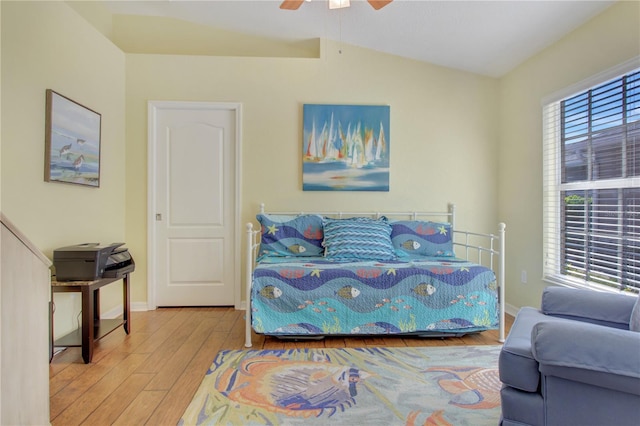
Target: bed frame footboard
x=253 y=242
x=487 y=250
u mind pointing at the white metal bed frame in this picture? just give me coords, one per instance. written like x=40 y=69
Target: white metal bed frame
x=475 y=245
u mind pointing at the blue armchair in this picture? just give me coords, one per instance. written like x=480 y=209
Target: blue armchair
x=576 y=361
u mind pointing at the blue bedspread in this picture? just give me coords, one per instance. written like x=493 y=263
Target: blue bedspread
x=314 y=296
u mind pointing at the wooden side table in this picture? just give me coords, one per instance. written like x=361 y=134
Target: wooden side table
x=93 y=328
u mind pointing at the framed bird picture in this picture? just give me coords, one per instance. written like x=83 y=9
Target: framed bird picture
x=72 y=142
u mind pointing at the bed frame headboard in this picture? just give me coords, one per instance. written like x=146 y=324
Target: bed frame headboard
x=448 y=216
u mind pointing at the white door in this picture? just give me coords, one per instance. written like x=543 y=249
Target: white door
x=193 y=165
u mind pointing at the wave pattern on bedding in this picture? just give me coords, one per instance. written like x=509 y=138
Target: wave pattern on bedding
x=316 y=296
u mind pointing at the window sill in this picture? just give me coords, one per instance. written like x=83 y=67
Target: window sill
x=574 y=283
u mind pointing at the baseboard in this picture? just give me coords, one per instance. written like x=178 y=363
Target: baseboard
x=118 y=310
x=140 y=307
x=510 y=309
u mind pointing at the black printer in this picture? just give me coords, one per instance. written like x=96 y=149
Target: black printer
x=92 y=261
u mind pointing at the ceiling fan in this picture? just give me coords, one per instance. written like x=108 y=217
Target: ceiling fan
x=333 y=4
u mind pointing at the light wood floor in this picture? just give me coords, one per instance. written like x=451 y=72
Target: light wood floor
x=150 y=376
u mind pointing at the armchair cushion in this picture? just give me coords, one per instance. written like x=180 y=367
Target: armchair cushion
x=588 y=353
x=609 y=309
x=634 y=321
x=516 y=364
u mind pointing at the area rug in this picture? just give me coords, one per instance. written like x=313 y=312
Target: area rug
x=454 y=385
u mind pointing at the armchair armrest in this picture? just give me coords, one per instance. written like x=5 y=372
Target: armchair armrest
x=588 y=353
x=610 y=309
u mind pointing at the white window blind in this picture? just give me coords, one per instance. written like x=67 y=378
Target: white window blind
x=591 y=200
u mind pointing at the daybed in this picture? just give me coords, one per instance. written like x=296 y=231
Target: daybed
x=317 y=274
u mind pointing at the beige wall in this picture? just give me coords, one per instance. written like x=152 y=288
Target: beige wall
x=0 y=200
x=443 y=131
x=455 y=136
x=609 y=39
x=0 y=108
x=47 y=45
x=161 y=35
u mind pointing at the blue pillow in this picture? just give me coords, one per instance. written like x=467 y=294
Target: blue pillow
x=285 y=236
x=358 y=238
x=422 y=238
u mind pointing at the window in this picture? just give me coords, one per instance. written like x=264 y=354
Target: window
x=591 y=160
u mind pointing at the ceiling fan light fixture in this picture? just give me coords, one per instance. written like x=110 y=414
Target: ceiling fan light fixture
x=338 y=4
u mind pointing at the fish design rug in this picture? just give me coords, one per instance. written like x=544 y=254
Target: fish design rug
x=436 y=386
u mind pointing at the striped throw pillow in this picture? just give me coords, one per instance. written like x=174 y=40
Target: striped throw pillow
x=358 y=238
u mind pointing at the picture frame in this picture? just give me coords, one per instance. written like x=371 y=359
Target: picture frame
x=345 y=147
x=72 y=142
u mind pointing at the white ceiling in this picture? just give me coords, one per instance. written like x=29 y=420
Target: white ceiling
x=484 y=37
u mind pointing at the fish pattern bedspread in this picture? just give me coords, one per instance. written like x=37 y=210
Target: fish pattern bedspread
x=314 y=296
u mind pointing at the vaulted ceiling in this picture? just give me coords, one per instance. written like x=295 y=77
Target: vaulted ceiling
x=485 y=37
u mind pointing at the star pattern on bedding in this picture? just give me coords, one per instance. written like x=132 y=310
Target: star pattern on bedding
x=391 y=271
x=315 y=273
x=443 y=230
x=272 y=229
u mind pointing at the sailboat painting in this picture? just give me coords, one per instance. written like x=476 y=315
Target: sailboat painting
x=345 y=148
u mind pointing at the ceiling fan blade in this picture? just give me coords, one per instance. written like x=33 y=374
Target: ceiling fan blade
x=291 y=4
x=379 y=4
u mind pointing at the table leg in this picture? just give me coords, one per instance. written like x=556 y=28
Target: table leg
x=126 y=312
x=96 y=305
x=87 y=324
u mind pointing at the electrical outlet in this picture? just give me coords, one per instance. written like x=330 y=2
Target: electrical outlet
x=523 y=277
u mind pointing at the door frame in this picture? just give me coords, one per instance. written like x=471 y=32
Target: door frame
x=152 y=108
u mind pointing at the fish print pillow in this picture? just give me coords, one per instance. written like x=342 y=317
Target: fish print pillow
x=358 y=238
x=422 y=238
x=290 y=236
